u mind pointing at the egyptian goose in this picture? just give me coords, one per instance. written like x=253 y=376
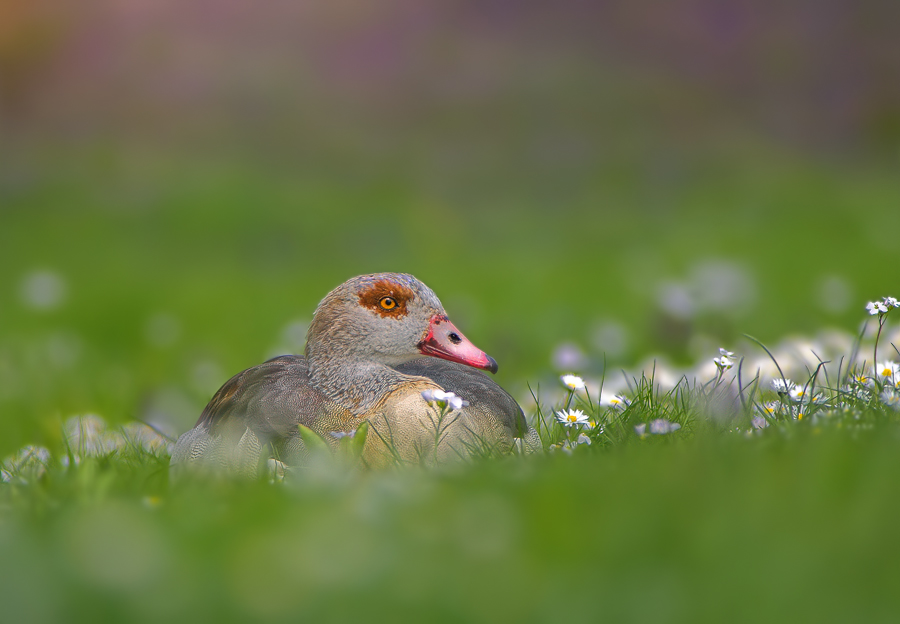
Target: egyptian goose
x=376 y=342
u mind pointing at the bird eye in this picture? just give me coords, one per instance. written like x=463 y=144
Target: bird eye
x=388 y=303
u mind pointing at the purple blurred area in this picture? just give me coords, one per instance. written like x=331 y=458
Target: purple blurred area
x=389 y=76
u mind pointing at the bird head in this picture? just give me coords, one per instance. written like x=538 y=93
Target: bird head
x=389 y=318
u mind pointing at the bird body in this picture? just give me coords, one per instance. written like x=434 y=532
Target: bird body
x=375 y=344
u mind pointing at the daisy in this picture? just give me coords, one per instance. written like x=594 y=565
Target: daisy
x=798 y=393
x=887 y=369
x=572 y=417
x=890 y=399
x=783 y=386
x=572 y=382
x=614 y=400
x=860 y=379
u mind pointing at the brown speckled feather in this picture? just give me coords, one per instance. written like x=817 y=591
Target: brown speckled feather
x=274 y=397
x=258 y=411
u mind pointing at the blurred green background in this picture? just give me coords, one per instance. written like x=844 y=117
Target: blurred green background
x=182 y=182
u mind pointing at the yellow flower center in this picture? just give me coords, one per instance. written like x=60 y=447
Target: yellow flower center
x=887 y=372
x=800 y=416
x=572 y=417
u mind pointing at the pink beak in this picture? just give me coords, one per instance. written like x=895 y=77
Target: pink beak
x=444 y=341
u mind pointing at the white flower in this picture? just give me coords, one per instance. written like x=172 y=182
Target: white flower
x=572 y=417
x=758 y=422
x=887 y=369
x=444 y=398
x=662 y=426
x=583 y=439
x=798 y=392
x=726 y=354
x=876 y=307
x=891 y=303
x=641 y=429
x=890 y=399
x=614 y=400
x=572 y=382
x=433 y=396
x=783 y=386
x=723 y=363
x=456 y=403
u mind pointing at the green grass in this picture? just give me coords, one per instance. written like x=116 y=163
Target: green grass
x=702 y=524
x=231 y=251
x=774 y=528
x=718 y=520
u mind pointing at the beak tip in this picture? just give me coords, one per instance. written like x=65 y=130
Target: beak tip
x=492 y=364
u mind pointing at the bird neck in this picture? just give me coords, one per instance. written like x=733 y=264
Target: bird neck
x=356 y=384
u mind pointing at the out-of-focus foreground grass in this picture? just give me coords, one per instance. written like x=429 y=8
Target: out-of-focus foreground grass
x=719 y=529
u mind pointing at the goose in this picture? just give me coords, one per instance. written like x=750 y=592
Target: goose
x=375 y=344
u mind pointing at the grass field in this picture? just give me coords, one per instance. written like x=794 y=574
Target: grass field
x=705 y=523
x=135 y=279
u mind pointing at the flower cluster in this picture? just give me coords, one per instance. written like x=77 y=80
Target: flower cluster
x=724 y=361
x=444 y=399
x=882 y=307
x=797 y=401
x=832 y=390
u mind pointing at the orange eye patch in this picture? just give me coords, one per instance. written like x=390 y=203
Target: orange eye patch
x=387 y=298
